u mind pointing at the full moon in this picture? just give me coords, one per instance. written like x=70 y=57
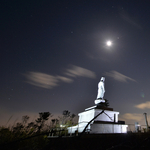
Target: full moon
x=109 y=43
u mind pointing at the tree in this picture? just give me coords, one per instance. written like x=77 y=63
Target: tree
x=54 y=122
x=25 y=119
x=43 y=116
x=66 y=114
x=67 y=119
x=18 y=127
x=72 y=116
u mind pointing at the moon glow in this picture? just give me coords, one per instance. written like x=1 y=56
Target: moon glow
x=109 y=43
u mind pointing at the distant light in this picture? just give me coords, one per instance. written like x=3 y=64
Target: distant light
x=109 y=43
x=62 y=126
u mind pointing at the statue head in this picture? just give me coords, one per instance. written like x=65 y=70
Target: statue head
x=103 y=79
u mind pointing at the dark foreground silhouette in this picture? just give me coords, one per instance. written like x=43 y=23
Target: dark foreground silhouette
x=128 y=141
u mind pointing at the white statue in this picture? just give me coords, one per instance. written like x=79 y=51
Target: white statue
x=101 y=89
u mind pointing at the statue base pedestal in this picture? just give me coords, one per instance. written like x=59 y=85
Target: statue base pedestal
x=107 y=122
x=97 y=101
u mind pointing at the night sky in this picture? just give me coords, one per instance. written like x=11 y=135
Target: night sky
x=54 y=52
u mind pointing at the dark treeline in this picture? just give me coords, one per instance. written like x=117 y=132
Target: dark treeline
x=33 y=135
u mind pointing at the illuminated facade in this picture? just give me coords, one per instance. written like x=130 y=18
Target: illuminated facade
x=106 y=122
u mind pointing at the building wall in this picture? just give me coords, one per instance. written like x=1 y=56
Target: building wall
x=107 y=122
x=108 y=128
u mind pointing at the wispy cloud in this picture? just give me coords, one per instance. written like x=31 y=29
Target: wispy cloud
x=133 y=117
x=131 y=21
x=64 y=79
x=41 y=80
x=118 y=76
x=47 y=81
x=143 y=105
x=125 y=16
x=74 y=71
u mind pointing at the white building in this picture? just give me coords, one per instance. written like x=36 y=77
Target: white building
x=106 y=122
